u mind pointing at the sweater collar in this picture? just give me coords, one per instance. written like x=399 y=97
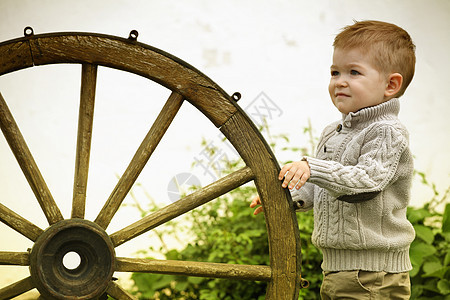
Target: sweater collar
x=383 y=111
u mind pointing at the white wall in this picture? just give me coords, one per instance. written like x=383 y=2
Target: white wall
x=281 y=48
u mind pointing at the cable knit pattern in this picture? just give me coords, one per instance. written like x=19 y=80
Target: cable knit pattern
x=359 y=188
x=378 y=158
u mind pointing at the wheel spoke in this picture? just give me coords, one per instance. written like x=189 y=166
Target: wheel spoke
x=139 y=160
x=28 y=165
x=14 y=258
x=191 y=268
x=117 y=292
x=17 y=288
x=184 y=205
x=85 y=122
x=19 y=223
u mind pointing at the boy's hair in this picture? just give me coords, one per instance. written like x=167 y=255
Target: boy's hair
x=391 y=48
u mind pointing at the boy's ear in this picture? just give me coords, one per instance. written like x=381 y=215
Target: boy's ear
x=394 y=84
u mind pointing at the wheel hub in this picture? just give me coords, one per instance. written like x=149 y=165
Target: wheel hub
x=88 y=277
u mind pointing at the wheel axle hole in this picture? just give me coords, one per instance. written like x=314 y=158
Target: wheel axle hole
x=71 y=260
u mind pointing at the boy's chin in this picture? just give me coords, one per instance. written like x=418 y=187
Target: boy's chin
x=342 y=109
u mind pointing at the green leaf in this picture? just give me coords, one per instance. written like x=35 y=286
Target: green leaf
x=195 y=280
x=417 y=215
x=181 y=285
x=446 y=219
x=172 y=254
x=444 y=286
x=425 y=233
x=416 y=290
x=447 y=259
x=431 y=285
x=414 y=271
x=446 y=236
x=419 y=251
x=432 y=268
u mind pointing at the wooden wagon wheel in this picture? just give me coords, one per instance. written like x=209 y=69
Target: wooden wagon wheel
x=93 y=278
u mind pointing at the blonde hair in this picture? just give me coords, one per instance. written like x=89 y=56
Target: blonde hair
x=391 y=48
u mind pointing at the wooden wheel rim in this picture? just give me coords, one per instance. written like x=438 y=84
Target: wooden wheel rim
x=187 y=83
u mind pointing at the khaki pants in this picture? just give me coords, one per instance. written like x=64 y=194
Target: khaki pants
x=365 y=285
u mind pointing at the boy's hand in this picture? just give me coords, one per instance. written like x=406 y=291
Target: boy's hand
x=256 y=201
x=295 y=174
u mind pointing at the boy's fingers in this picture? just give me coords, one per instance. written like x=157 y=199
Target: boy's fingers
x=303 y=180
x=283 y=171
x=299 y=180
x=255 y=201
x=300 y=183
x=258 y=210
x=295 y=181
x=289 y=176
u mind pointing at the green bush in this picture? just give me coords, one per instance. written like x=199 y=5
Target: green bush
x=430 y=251
x=226 y=231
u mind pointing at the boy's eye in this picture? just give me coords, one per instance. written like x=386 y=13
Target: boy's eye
x=334 y=73
x=354 y=72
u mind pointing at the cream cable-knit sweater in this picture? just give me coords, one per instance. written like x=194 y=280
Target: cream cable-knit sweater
x=360 y=188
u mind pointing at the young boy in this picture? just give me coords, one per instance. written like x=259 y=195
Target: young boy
x=359 y=181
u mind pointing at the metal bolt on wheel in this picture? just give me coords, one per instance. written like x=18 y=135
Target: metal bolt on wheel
x=92 y=277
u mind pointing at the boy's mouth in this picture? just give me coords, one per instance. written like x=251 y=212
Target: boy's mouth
x=341 y=95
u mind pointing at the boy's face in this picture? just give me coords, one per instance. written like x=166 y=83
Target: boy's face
x=355 y=83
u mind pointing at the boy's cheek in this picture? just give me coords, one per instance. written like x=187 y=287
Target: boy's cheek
x=331 y=88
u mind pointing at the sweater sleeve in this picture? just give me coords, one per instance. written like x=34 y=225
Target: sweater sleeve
x=376 y=167
x=303 y=198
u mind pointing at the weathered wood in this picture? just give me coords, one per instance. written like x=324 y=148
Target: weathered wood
x=17 y=288
x=117 y=292
x=85 y=122
x=15 y=55
x=188 y=203
x=19 y=223
x=14 y=258
x=130 y=56
x=191 y=268
x=139 y=160
x=29 y=167
x=94 y=272
x=281 y=222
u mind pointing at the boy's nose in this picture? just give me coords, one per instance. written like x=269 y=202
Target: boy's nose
x=341 y=82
